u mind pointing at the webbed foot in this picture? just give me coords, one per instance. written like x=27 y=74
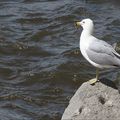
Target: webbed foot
x=93 y=81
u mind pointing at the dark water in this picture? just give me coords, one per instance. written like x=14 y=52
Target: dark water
x=40 y=63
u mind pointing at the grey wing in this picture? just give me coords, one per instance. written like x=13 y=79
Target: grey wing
x=102 y=53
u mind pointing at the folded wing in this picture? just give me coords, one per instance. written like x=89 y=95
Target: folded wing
x=102 y=53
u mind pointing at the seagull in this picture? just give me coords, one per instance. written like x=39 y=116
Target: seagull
x=97 y=52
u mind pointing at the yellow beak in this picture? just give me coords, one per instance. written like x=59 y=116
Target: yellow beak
x=77 y=24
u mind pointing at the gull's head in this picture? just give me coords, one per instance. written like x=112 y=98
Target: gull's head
x=87 y=24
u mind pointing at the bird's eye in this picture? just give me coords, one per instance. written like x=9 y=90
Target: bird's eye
x=83 y=21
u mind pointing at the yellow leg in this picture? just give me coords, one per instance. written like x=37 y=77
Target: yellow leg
x=94 y=80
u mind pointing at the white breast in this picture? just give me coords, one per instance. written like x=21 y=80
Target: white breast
x=84 y=44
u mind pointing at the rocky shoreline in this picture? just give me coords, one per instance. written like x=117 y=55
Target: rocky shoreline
x=98 y=102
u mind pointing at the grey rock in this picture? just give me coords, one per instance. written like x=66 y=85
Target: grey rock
x=97 y=102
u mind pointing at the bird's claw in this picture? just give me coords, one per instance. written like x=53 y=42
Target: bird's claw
x=93 y=81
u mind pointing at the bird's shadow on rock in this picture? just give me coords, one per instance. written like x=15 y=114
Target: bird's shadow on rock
x=108 y=83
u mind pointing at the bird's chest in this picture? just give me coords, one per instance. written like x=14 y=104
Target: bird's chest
x=85 y=42
x=84 y=45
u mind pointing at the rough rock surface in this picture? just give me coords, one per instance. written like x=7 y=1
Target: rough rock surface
x=97 y=102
